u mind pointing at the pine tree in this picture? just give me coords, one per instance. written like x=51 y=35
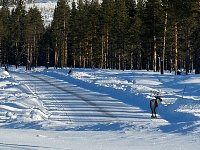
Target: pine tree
x=106 y=24
x=139 y=27
x=195 y=36
x=153 y=24
x=93 y=25
x=60 y=29
x=180 y=12
x=18 y=23
x=46 y=54
x=4 y=33
x=73 y=36
x=162 y=62
x=133 y=36
x=81 y=26
x=34 y=29
x=120 y=23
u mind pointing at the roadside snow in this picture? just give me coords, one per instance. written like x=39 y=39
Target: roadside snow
x=17 y=102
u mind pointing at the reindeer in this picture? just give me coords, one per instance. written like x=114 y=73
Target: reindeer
x=154 y=104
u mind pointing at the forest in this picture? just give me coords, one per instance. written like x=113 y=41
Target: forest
x=154 y=35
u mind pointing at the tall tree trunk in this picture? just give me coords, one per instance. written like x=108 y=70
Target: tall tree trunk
x=102 y=51
x=105 y=61
x=27 y=58
x=74 y=59
x=66 y=53
x=139 y=64
x=171 y=65
x=119 y=65
x=187 y=65
x=132 y=59
x=47 y=63
x=176 y=49
x=56 y=57
x=31 y=56
x=91 y=54
x=65 y=43
x=147 y=64
x=164 y=45
x=106 y=46
x=80 y=54
x=197 y=61
x=84 y=62
x=16 y=56
x=154 y=55
x=62 y=55
x=80 y=61
x=34 y=50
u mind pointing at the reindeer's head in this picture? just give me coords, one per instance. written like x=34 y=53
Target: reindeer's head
x=158 y=98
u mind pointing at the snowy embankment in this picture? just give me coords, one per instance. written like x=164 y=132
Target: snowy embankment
x=17 y=101
x=31 y=103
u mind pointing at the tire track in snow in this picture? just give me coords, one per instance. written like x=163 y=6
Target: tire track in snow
x=78 y=109
x=100 y=109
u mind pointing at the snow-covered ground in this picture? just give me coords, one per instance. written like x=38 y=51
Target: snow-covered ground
x=98 y=109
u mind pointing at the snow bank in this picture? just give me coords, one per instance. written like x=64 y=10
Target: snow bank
x=4 y=74
x=18 y=103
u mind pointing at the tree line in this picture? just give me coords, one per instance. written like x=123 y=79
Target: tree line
x=118 y=34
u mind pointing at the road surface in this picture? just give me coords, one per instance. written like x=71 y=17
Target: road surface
x=75 y=106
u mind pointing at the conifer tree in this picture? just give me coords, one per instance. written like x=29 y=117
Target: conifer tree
x=106 y=24
x=120 y=23
x=4 y=33
x=83 y=32
x=46 y=53
x=73 y=36
x=93 y=24
x=133 y=36
x=80 y=22
x=17 y=37
x=195 y=36
x=179 y=12
x=162 y=61
x=34 y=29
x=153 y=22
x=140 y=34
x=60 y=29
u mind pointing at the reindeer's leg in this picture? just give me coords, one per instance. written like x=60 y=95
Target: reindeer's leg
x=155 y=112
x=152 y=113
x=151 y=109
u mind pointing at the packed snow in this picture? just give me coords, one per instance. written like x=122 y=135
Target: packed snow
x=98 y=109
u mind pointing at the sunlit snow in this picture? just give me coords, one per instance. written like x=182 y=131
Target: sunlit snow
x=97 y=109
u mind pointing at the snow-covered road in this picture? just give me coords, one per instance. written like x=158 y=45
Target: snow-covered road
x=77 y=107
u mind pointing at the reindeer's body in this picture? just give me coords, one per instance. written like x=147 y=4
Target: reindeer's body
x=154 y=105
